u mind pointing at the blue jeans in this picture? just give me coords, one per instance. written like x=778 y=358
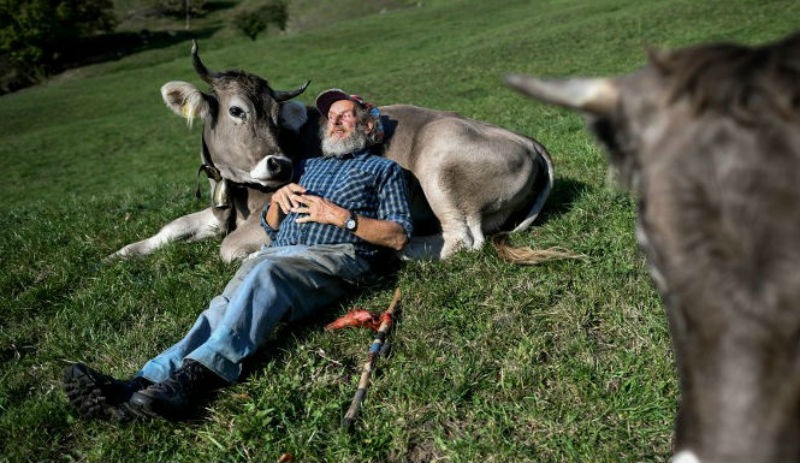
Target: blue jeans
x=275 y=284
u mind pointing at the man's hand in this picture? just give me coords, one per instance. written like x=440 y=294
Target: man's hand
x=283 y=196
x=318 y=209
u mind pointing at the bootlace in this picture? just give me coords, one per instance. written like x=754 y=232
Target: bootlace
x=187 y=378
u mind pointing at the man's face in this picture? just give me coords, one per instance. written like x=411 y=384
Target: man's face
x=342 y=120
x=344 y=134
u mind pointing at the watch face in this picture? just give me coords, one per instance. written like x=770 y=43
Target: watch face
x=350 y=224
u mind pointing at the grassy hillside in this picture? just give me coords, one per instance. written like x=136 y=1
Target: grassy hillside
x=569 y=361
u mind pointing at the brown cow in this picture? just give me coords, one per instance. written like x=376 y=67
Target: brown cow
x=468 y=178
x=709 y=137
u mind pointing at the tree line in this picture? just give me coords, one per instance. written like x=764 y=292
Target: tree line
x=39 y=38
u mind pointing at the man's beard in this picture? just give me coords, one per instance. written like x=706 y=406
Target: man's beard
x=352 y=143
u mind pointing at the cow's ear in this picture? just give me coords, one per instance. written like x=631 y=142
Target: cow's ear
x=185 y=100
x=590 y=95
x=293 y=115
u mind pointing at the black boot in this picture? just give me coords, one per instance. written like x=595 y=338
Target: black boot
x=177 y=396
x=95 y=395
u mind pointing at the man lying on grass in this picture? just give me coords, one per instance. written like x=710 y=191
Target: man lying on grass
x=330 y=231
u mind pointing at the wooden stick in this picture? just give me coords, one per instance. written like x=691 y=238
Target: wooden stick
x=369 y=366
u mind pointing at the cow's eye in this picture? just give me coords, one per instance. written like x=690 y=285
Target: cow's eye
x=236 y=112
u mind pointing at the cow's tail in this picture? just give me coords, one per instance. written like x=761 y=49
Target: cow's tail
x=543 y=186
x=524 y=255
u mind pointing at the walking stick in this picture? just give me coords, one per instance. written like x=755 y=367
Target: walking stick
x=369 y=366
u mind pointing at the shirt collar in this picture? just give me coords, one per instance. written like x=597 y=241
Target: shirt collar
x=355 y=155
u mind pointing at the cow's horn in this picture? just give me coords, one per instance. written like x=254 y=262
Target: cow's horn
x=283 y=95
x=199 y=67
x=598 y=96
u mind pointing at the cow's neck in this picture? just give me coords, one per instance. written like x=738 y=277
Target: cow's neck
x=220 y=195
x=305 y=142
x=207 y=165
x=224 y=189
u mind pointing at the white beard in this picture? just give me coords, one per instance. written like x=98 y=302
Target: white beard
x=353 y=143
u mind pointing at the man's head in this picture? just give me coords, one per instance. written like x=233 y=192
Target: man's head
x=351 y=123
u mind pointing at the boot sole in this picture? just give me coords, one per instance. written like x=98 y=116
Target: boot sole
x=83 y=388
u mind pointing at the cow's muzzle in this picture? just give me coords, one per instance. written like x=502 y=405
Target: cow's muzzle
x=273 y=170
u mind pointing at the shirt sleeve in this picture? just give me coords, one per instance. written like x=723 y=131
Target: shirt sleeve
x=271 y=232
x=393 y=195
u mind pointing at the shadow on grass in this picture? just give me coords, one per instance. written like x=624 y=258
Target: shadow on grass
x=211 y=7
x=110 y=47
x=116 y=45
x=565 y=194
x=78 y=52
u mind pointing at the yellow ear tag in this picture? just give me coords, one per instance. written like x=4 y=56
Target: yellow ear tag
x=187 y=111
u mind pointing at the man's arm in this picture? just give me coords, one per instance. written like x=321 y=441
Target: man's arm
x=380 y=232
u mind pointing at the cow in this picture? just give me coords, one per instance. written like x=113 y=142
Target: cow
x=466 y=178
x=708 y=137
x=248 y=131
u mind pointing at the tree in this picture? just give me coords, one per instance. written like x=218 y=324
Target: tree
x=277 y=13
x=252 y=22
x=33 y=33
x=180 y=8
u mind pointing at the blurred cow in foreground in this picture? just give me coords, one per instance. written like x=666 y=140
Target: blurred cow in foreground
x=709 y=138
x=467 y=178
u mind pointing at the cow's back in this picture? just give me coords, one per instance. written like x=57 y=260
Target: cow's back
x=402 y=125
x=469 y=168
x=412 y=129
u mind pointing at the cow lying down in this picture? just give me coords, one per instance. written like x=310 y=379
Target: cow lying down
x=709 y=137
x=467 y=178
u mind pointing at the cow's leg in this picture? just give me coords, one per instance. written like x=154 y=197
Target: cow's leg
x=192 y=227
x=456 y=235
x=461 y=232
x=455 y=230
x=475 y=224
x=247 y=238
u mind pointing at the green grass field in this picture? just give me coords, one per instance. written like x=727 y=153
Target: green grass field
x=567 y=361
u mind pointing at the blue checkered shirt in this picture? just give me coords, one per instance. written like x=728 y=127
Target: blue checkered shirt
x=367 y=185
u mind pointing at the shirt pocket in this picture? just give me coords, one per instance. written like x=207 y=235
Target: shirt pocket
x=357 y=191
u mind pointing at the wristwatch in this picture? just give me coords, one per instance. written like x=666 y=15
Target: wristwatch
x=351 y=223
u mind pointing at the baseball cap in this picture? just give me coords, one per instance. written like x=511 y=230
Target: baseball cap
x=329 y=97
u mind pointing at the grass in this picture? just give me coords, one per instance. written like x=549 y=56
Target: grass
x=569 y=361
